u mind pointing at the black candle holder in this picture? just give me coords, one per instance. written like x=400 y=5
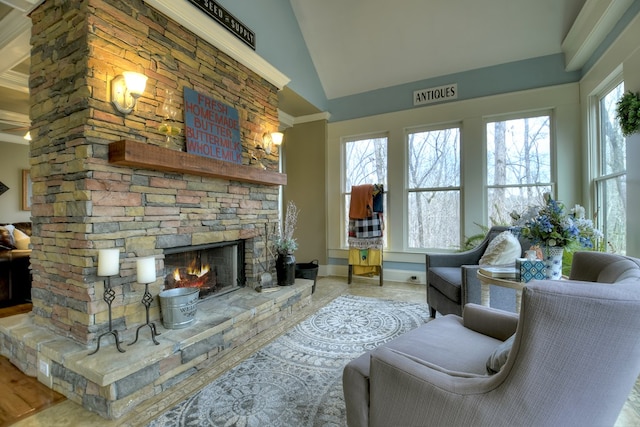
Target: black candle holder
x=147 y=299
x=109 y=296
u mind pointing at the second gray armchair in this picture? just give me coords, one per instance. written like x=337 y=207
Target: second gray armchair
x=452 y=281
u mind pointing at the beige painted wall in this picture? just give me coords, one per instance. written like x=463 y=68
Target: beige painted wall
x=304 y=164
x=15 y=158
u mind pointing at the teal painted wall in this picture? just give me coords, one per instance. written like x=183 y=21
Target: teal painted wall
x=280 y=42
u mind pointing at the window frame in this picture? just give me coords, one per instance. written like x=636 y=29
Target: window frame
x=344 y=220
x=407 y=190
x=596 y=164
x=517 y=115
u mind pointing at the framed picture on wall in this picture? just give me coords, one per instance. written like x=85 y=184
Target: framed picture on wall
x=26 y=190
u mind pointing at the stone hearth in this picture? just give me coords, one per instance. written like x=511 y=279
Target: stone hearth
x=89 y=195
x=112 y=383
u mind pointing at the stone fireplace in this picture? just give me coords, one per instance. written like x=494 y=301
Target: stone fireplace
x=104 y=180
x=214 y=269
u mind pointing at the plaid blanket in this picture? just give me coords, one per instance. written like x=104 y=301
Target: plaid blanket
x=367 y=227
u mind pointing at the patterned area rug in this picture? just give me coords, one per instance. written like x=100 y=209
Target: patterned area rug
x=296 y=380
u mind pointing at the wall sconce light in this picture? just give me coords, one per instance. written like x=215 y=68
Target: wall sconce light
x=271 y=139
x=264 y=146
x=126 y=89
x=27 y=136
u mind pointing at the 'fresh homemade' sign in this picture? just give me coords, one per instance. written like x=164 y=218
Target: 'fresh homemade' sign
x=227 y=20
x=212 y=129
x=435 y=94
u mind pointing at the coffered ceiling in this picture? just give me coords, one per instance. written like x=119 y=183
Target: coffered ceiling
x=15 y=31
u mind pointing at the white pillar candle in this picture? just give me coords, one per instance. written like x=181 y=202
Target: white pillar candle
x=108 y=262
x=146 y=270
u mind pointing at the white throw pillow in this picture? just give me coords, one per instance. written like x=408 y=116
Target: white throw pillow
x=503 y=249
x=22 y=241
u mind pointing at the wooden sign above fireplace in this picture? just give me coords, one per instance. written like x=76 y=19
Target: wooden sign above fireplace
x=147 y=156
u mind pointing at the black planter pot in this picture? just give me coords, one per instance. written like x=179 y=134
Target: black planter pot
x=286 y=269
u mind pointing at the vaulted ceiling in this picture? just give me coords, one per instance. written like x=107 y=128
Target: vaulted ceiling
x=362 y=45
x=355 y=45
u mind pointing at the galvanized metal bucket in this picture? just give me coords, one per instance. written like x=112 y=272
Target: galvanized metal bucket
x=179 y=307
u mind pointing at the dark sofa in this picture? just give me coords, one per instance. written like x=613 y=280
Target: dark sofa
x=15 y=270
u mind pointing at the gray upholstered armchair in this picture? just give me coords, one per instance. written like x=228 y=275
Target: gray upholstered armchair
x=574 y=358
x=452 y=281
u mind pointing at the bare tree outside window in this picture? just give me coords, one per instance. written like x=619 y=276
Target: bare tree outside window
x=518 y=165
x=611 y=188
x=365 y=162
x=433 y=215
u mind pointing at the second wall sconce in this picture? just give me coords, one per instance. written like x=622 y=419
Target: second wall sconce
x=271 y=139
x=126 y=89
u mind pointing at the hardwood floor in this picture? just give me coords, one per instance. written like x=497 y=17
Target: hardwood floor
x=22 y=395
x=16 y=309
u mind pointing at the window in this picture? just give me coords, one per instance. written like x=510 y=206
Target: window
x=610 y=180
x=518 y=165
x=434 y=188
x=365 y=162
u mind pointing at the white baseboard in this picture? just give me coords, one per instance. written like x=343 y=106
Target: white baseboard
x=401 y=276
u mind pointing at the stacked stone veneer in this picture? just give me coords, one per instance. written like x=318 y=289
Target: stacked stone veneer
x=81 y=203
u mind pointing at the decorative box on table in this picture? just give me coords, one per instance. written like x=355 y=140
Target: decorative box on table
x=530 y=270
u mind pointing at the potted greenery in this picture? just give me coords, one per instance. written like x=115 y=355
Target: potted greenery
x=285 y=245
x=628 y=113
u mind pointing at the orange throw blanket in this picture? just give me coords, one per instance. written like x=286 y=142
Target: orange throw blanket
x=361 y=201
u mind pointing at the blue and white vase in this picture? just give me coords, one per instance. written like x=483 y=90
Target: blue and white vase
x=553 y=261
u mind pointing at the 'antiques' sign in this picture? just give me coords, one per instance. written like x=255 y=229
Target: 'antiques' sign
x=435 y=94
x=212 y=129
x=227 y=20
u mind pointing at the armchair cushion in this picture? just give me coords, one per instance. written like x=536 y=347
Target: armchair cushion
x=503 y=249
x=447 y=281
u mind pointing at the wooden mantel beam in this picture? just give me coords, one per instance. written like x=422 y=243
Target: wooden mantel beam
x=148 y=156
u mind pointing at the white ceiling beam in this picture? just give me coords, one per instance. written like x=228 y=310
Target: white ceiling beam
x=14 y=139
x=594 y=22
x=15 y=40
x=14 y=80
x=14 y=118
x=24 y=6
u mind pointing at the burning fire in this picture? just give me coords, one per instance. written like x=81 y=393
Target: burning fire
x=192 y=270
x=195 y=277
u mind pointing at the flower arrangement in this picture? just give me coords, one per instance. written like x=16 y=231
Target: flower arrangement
x=550 y=225
x=285 y=243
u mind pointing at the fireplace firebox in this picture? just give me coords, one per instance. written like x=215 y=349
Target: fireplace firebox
x=215 y=269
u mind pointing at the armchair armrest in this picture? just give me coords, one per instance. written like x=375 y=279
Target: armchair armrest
x=488 y=321
x=456 y=259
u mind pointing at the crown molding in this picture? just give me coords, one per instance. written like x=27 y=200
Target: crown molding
x=312 y=118
x=286 y=120
x=195 y=20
